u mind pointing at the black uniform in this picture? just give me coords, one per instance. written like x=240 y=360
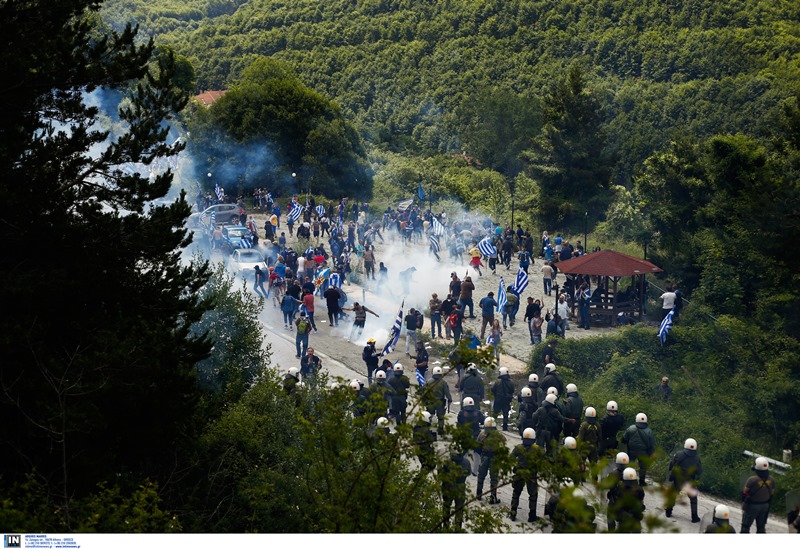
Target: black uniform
x=423 y=440
x=573 y=409
x=370 y=355
x=472 y=386
x=399 y=400
x=610 y=425
x=503 y=391
x=528 y=457
x=552 y=380
x=441 y=399
x=548 y=421
x=527 y=408
x=453 y=475
x=684 y=467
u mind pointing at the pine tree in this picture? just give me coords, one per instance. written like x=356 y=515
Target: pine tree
x=97 y=377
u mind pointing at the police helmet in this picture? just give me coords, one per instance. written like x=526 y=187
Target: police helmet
x=437 y=370
x=721 y=511
x=398 y=367
x=426 y=417
x=762 y=464
x=489 y=422
x=549 y=368
x=550 y=398
x=590 y=412
x=293 y=371
x=533 y=378
x=383 y=423
x=468 y=401
x=690 y=444
x=502 y=371
x=611 y=406
x=622 y=458
x=572 y=388
x=529 y=433
x=641 y=418
x=552 y=391
x=526 y=392
x=355 y=385
x=630 y=474
x=570 y=443
x=380 y=374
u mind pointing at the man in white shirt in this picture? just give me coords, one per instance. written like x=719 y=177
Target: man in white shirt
x=667 y=301
x=563 y=310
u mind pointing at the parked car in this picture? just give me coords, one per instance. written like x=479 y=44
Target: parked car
x=244 y=260
x=236 y=237
x=223 y=213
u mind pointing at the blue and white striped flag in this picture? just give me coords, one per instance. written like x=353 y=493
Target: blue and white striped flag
x=502 y=298
x=268 y=198
x=335 y=280
x=521 y=282
x=394 y=333
x=310 y=251
x=486 y=247
x=666 y=326
x=320 y=210
x=245 y=242
x=320 y=279
x=434 y=243
x=438 y=228
x=295 y=212
x=219 y=191
x=420 y=378
x=405 y=204
x=213 y=217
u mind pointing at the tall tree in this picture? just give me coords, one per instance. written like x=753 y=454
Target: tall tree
x=97 y=378
x=291 y=128
x=568 y=159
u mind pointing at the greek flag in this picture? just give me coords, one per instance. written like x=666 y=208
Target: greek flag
x=310 y=251
x=295 y=212
x=521 y=282
x=405 y=204
x=320 y=210
x=213 y=216
x=268 y=198
x=434 y=243
x=219 y=191
x=394 y=333
x=335 y=280
x=438 y=228
x=420 y=192
x=486 y=247
x=245 y=242
x=502 y=299
x=665 y=327
x=420 y=379
x=319 y=280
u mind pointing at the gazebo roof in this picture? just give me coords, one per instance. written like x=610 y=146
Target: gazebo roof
x=607 y=263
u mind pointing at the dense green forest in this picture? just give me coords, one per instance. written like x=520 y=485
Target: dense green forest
x=136 y=394
x=402 y=68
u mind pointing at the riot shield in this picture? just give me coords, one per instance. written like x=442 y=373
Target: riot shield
x=706 y=521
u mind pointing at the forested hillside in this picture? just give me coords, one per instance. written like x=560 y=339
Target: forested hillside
x=402 y=68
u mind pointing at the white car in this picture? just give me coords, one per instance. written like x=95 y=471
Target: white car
x=244 y=260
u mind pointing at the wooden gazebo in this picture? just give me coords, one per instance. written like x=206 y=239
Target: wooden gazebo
x=611 y=267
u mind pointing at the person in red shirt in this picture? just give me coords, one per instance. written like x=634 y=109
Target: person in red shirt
x=308 y=303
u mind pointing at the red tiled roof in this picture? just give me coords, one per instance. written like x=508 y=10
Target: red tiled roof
x=607 y=263
x=207 y=98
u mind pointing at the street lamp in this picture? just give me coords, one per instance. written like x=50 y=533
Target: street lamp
x=586 y=233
